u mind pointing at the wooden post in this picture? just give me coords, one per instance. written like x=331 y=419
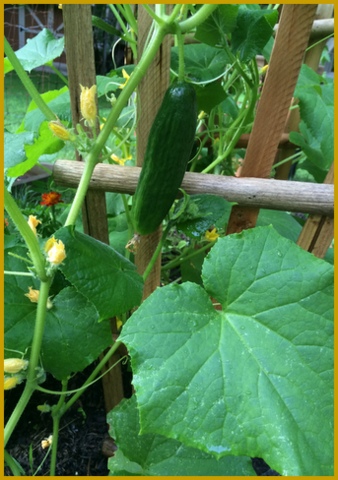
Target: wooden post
x=317 y=233
x=150 y=94
x=286 y=59
x=81 y=70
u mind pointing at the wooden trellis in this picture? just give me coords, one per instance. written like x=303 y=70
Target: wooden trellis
x=253 y=190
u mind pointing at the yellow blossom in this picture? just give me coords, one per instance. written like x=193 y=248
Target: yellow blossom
x=46 y=443
x=212 y=235
x=126 y=77
x=55 y=251
x=11 y=382
x=14 y=365
x=60 y=130
x=33 y=222
x=88 y=104
x=201 y=115
x=33 y=296
x=120 y=161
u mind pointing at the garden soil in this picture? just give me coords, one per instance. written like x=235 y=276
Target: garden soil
x=84 y=442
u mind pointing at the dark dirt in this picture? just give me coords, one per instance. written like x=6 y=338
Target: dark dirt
x=83 y=436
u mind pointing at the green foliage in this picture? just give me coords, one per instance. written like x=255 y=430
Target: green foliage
x=254 y=378
x=152 y=454
x=38 y=51
x=315 y=135
x=100 y=273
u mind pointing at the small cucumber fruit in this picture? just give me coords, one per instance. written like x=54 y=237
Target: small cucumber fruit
x=168 y=151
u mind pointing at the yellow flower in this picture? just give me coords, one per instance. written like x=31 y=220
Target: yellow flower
x=126 y=77
x=11 y=382
x=60 y=131
x=88 y=104
x=201 y=115
x=120 y=161
x=46 y=443
x=15 y=365
x=212 y=235
x=33 y=296
x=263 y=70
x=33 y=222
x=55 y=251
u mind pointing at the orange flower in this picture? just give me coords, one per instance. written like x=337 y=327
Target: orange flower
x=51 y=198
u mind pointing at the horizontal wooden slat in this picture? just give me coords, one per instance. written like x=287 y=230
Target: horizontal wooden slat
x=254 y=192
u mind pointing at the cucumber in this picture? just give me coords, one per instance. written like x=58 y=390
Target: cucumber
x=168 y=151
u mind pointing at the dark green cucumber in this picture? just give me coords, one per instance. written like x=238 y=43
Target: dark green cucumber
x=168 y=151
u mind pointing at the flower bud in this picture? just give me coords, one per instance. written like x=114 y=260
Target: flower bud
x=12 y=382
x=14 y=365
x=33 y=222
x=88 y=104
x=60 y=131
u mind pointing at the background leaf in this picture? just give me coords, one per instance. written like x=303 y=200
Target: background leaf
x=15 y=147
x=38 y=51
x=253 y=30
x=46 y=143
x=203 y=64
x=221 y=22
x=253 y=379
x=101 y=274
x=157 y=455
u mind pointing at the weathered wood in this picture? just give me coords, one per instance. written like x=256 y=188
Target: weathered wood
x=81 y=70
x=286 y=59
x=150 y=94
x=254 y=192
x=317 y=234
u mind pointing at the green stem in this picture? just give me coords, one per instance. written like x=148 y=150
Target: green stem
x=92 y=158
x=27 y=82
x=27 y=234
x=58 y=73
x=200 y=16
x=33 y=361
x=16 y=468
x=58 y=411
x=182 y=258
x=92 y=376
x=156 y=253
x=180 y=44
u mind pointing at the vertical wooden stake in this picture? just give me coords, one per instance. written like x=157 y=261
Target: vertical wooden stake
x=150 y=94
x=81 y=70
x=286 y=60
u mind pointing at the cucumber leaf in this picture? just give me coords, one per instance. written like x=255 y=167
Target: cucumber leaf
x=253 y=31
x=101 y=274
x=254 y=378
x=38 y=51
x=155 y=455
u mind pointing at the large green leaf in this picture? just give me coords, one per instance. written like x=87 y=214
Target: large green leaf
x=254 y=29
x=38 y=51
x=101 y=274
x=254 y=378
x=203 y=64
x=152 y=454
x=73 y=337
